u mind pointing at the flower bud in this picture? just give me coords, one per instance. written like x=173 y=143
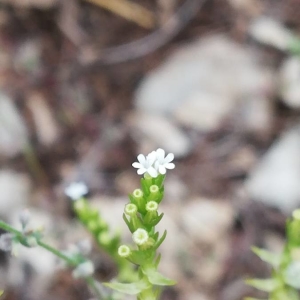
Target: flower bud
x=104 y=238
x=130 y=209
x=124 y=251
x=138 y=194
x=24 y=217
x=151 y=206
x=154 y=192
x=296 y=214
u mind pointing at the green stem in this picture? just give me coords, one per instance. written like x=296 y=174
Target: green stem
x=7 y=227
x=90 y=280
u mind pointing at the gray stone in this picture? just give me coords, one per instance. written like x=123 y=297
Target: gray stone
x=13 y=131
x=153 y=131
x=275 y=180
x=201 y=83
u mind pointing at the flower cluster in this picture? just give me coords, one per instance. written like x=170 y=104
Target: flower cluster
x=154 y=163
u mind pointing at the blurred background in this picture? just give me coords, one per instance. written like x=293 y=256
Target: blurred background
x=87 y=85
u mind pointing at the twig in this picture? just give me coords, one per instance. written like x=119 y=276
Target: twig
x=148 y=44
x=128 y=10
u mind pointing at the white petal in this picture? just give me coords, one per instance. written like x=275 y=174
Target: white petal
x=141 y=158
x=170 y=166
x=169 y=158
x=141 y=171
x=152 y=172
x=151 y=157
x=162 y=170
x=160 y=154
x=137 y=165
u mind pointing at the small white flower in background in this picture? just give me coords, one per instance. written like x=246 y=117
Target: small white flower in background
x=85 y=269
x=24 y=218
x=145 y=164
x=154 y=163
x=163 y=162
x=76 y=190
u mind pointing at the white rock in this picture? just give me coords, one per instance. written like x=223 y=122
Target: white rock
x=203 y=110
x=202 y=83
x=290 y=82
x=13 y=131
x=175 y=243
x=14 y=194
x=275 y=180
x=271 y=32
x=256 y=115
x=207 y=221
x=43 y=264
x=158 y=131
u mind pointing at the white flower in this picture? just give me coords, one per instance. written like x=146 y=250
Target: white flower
x=76 y=190
x=84 y=270
x=140 y=236
x=145 y=164
x=162 y=163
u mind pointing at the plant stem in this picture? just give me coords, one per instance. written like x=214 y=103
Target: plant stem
x=90 y=280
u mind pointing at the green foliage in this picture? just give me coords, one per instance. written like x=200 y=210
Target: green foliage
x=143 y=220
x=97 y=226
x=285 y=280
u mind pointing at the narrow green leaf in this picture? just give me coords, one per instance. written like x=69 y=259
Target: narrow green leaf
x=157 y=220
x=266 y=285
x=156 y=278
x=128 y=223
x=128 y=288
x=273 y=259
x=160 y=241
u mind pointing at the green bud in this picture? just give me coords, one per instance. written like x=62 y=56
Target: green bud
x=296 y=214
x=151 y=206
x=104 y=238
x=154 y=193
x=92 y=226
x=151 y=214
x=130 y=209
x=124 y=251
x=138 y=194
